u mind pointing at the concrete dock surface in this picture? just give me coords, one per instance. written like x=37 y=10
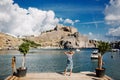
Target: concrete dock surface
x=59 y=76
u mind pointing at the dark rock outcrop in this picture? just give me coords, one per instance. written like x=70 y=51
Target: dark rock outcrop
x=61 y=36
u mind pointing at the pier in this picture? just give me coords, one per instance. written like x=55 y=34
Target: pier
x=59 y=76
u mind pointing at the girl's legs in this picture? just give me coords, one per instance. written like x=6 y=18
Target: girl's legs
x=15 y=70
x=65 y=71
x=71 y=67
x=70 y=72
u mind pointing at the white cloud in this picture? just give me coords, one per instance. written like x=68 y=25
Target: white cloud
x=77 y=21
x=98 y=37
x=90 y=33
x=61 y=19
x=19 y=21
x=93 y=22
x=112 y=17
x=69 y=21
x=114 y=31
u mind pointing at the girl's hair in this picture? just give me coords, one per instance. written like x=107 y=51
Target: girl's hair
x=14 y=58
x=70 y=52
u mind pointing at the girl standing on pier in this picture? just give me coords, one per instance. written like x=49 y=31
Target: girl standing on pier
x=69 y=62
x=13 y=65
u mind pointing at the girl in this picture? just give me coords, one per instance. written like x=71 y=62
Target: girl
x=69 y=62
x=13 y=65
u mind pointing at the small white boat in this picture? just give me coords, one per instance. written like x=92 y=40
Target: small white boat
x=94 y=54
x=78 y=50
x=115 y=50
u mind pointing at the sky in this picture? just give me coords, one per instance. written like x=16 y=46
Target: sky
x=97 y=19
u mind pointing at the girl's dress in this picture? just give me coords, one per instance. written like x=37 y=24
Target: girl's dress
x=69 y=61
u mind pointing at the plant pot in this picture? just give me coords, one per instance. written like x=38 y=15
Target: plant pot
x=100 y=72
x=21 y=72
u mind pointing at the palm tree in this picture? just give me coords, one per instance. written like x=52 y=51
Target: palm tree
x=24 y=48
x=103 y=47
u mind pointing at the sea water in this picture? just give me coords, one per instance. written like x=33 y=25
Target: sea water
x=54 y=60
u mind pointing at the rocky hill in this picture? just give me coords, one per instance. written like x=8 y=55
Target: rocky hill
x=60 y=36
x=63 y=37
x=9 y=42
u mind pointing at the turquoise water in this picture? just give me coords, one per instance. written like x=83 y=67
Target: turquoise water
x=42 y=60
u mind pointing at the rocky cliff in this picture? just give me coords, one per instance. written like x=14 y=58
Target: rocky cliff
x=61 y=36
x=9 y=42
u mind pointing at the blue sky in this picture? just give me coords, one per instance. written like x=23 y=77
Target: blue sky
x=90 y=13
x=98 y=19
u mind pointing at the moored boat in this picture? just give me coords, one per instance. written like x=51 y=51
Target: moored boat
x=115 y=50
x=94 y=54
x=78 y=50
